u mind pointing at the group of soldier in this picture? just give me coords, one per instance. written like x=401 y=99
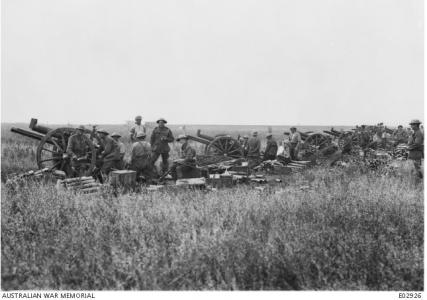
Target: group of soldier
x=144 y=154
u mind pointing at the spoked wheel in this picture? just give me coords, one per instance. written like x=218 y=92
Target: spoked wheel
x=224 y=146
x=317 y=140
x=52 y=148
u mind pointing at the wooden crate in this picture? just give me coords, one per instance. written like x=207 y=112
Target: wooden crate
x=124 y=179
x=221 y=181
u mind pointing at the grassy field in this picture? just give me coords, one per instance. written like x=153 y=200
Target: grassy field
x=321 y=229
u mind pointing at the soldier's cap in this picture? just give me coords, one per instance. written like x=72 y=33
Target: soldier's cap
x=102 y=131
x=141 y=135
x=161 y=119
x=81 y=127
x=115 y=134
x=181 y=137
x=254 y=132
x=245 y=136
x=269 y=134
x=415 y=121
x=138 y=118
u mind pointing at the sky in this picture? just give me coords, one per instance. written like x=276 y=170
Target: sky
x=269 y=62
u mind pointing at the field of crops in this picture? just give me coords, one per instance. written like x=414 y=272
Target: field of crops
x=321 y=229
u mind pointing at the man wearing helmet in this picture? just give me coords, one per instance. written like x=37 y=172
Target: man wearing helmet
x=140 y=160
x=416 y=146
x=77 y=149
x=160 y=139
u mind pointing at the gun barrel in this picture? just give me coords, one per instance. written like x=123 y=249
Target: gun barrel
x=198 y=139
x=30 y=134
x=203 y=136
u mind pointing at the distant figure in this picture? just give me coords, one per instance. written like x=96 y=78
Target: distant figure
x=245 y=145
x=160 y=139
x=137 y=128
x=416 y=146
x=77 y=149
x=295 y=142
x=187 y=162
x=400 y=136
x=122 y=148
x=365 y=137
x=254 y=150
x=271 y=148
x=110 y=154
x=377 y=140
x=140 y=160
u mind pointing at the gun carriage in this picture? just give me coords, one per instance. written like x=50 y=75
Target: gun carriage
x=219 y=145
x=51 y=151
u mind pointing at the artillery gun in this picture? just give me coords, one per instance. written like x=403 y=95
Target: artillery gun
x=51 y=151
x=219 y=145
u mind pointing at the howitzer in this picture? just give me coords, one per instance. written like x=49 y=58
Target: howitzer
x=51 y=151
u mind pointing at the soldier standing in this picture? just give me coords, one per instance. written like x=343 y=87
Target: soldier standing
x=254 y=147
x=110 y=154
x=122 y=149
x=271 y=149
x=416 y=146
x=77 y=149
x=245 y=145
x=137 y=128
x=295 y=142
x=160 y=139
x=141 y=161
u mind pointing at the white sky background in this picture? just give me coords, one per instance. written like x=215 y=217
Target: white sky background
x=311 y=62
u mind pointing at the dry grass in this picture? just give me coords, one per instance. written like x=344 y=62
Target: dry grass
x=349 y=230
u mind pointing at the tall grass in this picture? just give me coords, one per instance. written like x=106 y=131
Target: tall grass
x=347 y=230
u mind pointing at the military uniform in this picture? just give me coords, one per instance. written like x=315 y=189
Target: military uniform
x=295 y=140
x=270 y=150
x=160 y=139
x=141 y=159
x=78 y=147
x=400 y=137
x=110 y=154
x=416 y=150
x=135 y=130
x=187 y=163
x=254 y=147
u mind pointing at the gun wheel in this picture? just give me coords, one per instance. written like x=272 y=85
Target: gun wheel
x=224 y=146
x=53 y=146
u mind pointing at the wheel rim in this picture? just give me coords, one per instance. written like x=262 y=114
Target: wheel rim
x=224 y=146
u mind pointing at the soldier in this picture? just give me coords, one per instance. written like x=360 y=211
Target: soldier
x=295 y=143
x=245 y=145
x=138 y=127
x=187 y=162
x=77 y=149
x=271 y=149
x=254 y=147
x=122 y=148
x=160 y=137
x=416 y=146
x=110 y=155
x=141 y=161
x=365 y=138
x=400 y=136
